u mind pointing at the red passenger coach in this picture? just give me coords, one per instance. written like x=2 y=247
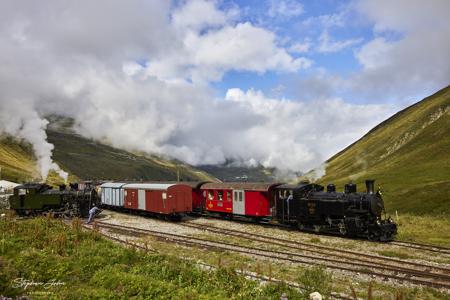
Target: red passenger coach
x=245 y=199
x=167 y=199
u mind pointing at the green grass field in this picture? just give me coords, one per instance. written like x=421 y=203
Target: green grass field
x=424 y=229
x=69 y=263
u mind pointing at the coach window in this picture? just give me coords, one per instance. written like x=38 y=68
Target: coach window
x=210 y=195
x=228 y=196
x=220 y=195
x=240 y=196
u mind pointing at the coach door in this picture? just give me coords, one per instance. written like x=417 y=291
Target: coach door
x=141 y=199
x=238 y=202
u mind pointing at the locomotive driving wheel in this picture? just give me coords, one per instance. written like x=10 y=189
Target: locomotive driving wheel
x=373 y=236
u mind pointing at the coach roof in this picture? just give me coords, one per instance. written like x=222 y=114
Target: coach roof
x=148 y=186
x=248 y=186
x=113 y=185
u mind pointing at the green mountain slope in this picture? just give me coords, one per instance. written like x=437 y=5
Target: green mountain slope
x=87 y=159
x=16 y=160
x=408 y=155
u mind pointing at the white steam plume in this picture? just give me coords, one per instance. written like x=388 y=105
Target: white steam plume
x=23 y=123
x=317 y=173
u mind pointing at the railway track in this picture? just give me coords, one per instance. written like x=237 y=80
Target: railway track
x=432 y=248
x=327 y=251
x=419 y=277
x=249 y=275
x=426 y=247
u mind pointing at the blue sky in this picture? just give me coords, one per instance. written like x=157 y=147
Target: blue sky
x=344 y=23
x=302 y=27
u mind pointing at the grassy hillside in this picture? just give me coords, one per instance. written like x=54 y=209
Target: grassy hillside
x=87 y=159
x=408 y=155
x=16 y=160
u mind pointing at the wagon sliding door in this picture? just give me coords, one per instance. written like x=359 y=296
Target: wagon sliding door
x=238 y=202
x=141 y=199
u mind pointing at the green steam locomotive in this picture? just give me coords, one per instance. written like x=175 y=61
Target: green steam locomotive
x=37 y=198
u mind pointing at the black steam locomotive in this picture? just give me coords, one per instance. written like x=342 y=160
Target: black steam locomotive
x=36 y=198
x=349 y=213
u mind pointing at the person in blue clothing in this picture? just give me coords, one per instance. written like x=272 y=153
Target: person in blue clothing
x=92 y=212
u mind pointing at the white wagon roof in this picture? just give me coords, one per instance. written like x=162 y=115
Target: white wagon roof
x=113 y=185
x=148 y=186
x=8 y=184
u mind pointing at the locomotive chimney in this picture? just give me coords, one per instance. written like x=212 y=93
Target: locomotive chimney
x=350 y=188
x=331 y=188
x=370 y=186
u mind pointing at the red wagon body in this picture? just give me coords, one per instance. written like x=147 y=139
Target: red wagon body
x=158 y=198
x=245 y=199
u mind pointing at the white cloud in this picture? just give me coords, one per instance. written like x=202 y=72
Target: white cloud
x=300 y=135
x=285 y=8
x=406 y=16
x=207 y=56
x=374 y=54
x=328 y=44
x=326 y=21
x=201 y=14
x=300 y=47
x=416 y=62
